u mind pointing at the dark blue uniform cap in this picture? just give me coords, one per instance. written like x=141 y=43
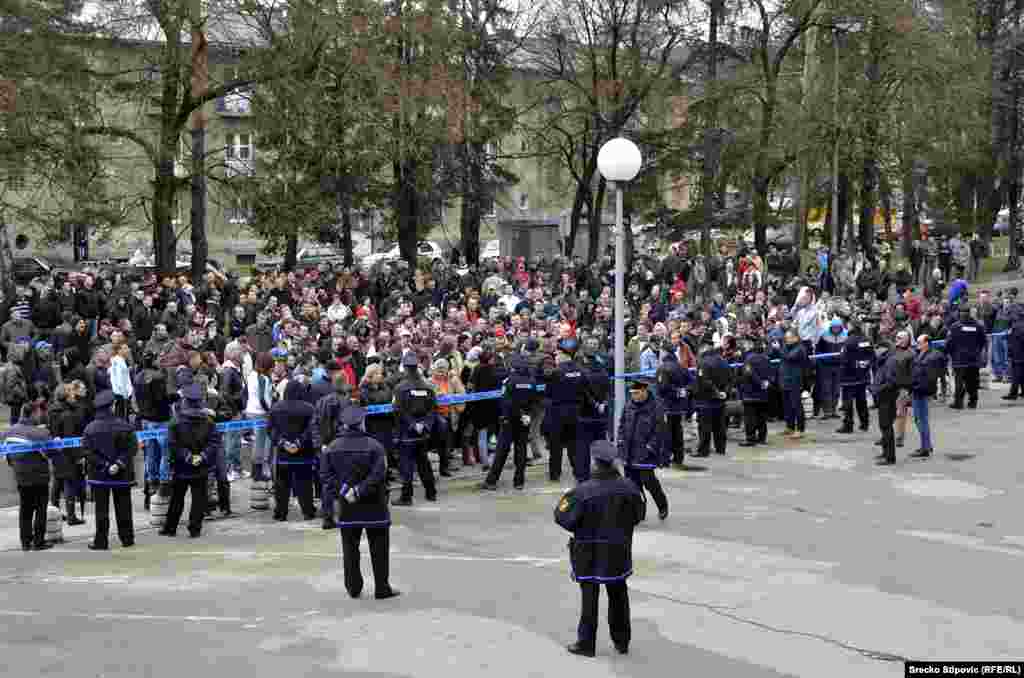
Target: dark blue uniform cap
x=409 y=360
x=104 y=399
x=353 y=416
x=602 y=450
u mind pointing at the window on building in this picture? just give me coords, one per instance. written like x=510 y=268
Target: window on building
x=239 y=211
x=239 y=147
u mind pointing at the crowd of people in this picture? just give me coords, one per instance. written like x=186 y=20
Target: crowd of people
x=727 y=340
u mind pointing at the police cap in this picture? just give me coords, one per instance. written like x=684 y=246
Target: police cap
x=353 y=416
x=604 y=451
x=104 y=399
x=410 y=360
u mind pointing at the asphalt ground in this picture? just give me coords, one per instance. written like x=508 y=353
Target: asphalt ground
x=798 y=558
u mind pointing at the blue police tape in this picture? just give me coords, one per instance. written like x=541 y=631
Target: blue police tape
x=251 y=424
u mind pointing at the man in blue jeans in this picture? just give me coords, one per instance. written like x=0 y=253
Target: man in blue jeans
x=1004 y=317
x=928 y=364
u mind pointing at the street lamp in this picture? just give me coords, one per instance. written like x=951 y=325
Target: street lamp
x=619 y=161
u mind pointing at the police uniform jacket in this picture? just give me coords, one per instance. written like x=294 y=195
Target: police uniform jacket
x=597 y=385
x=192 y=432
x=356 y=460
x=327 y=419
x=673 y=387
x=756 y=378
x=415 y=401
x=966 y=344
x=1015 y=341
x=642 y=434
x=110 y=440
x=30 y=468
x=791 y=368
x=714 y=377
x=314 y=392
x=567 y=386
x=291 y=421
x=519 y=394
x=856 y=360
x=601 y=513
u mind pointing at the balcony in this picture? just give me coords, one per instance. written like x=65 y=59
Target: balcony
x=236 y=104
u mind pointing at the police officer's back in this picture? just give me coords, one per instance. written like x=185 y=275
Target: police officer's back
x=601 y=513
x=674 y=382
x=290 y=427
x=194 y=443
x=111 y=447
x=519 y=394
x=966 y=347
x=711 y=389
x=353 y=474
x=565 y=390
x=414 y=403
x=856 y=360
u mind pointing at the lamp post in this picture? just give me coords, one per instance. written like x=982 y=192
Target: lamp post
x=619 y=161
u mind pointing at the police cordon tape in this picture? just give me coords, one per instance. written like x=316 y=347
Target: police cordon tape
x=252 y=424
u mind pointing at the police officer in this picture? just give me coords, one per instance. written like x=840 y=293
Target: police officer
x=714 y=379
x=753 y=389
x=414 y=404
x=641 y=440
x=194 y=443
x=290 y=427
x=566 y=390
x=601 y=513
x=519 y=393
x=1015 y=349
x=326 y=419
x=594 y=411
x=353 y=472
x=857 y=357
x=674 y=393
x=110 y=445
x=967 y=348
x=32 y=475
x=895 y=374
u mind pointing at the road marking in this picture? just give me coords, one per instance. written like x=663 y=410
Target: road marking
x=131 y=616
x=520 y=559
x=18 y=613
x=965 y=541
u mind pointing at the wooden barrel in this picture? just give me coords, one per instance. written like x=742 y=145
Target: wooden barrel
x=158 y=510
x=54 y=525
x=259 y=495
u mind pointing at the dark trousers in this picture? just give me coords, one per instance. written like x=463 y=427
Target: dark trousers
x=297 y=478
x=412 y=458
x=513 y=434
x=561 y=436
x=855 y=395
x=966 y=379
x=196 y=511
x=618 y=613
x=588 y=431
x=647 y=480
x=793 y=409
x=828 y=387
x=755 y=421
x=711 y=424
x=675 y=436
x=378 y=539
x=886 y=419
x=1017 y=377
x=101 y=495
x=15 y=411
x=32 y=514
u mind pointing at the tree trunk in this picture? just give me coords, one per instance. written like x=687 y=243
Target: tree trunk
x=574 y=223
x=710 y=161
x=408 y=210
x=762 y=180
x=163 y=209
x=845 y=222
x=911 y=222
x=472 y=197
x=346 y=232
x=291 y=250
x=200 y=244
x=596 y=217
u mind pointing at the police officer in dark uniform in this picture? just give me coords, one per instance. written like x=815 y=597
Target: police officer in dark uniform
x=601 y=513
x=1015 y=348
x=593 y=413
x=519 y=393
x=674 y=393
x=110 y=445
x=326 y=419
x=641 y=441
x=967 y=348
x=566 y=389
x=194 y=443
x=414 y=404
x=754 y=388
x=714 y=379
x=290 y=427
x=894 y=374
x=856 y=359
x=353 y=472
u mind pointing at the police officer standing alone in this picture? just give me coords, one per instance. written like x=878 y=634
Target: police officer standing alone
x=353 y=471
x=856 y=358
x=756 y=377
x=414 y=408
x=966 y=348
x=566 y=389
x=110 y=445
x=642 y=440
x=714 y=379
x=194 y=443
x=601 y=513
x=290 y=429
x=518 y=397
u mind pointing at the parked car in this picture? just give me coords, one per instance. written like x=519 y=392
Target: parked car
x=426 y=249
x=781 y=238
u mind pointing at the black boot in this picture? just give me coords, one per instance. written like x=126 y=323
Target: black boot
x=73 y=519
x=406 y=498
x=224 y=497
x=847 y=427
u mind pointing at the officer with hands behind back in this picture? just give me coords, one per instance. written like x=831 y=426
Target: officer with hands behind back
x=414 y=404
x=601 y=513
x=193 y=442
x=110 y=444
x=353 y=471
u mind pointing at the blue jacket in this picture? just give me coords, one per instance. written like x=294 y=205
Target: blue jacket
x=291 y=421
x=110 y=440
x=756 y=378
x=830 y=343
x=966 y=344
x=601 y=513
x=791 y=368
x=642 y=434
x=191 y=432
x=356 y=460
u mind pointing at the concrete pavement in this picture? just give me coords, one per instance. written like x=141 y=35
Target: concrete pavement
x=794 y=559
